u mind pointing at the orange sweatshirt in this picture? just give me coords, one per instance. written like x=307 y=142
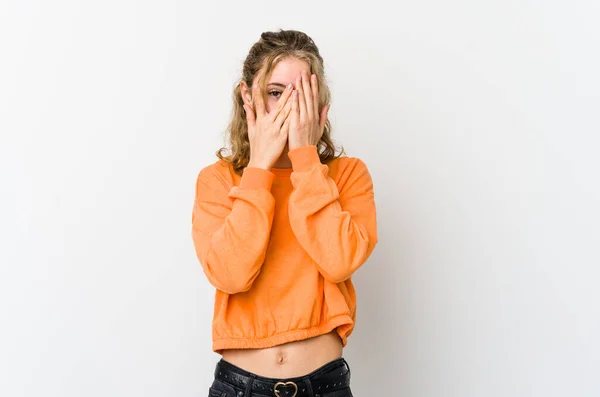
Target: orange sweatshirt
x=280 y=247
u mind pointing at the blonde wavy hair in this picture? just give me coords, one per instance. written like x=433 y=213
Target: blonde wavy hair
x=262 y=58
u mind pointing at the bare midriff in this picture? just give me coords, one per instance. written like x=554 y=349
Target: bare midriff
x=288 y=360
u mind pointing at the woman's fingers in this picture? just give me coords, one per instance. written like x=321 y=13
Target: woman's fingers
x=283 y=114
x=282 y=102
x=250 y=117
x=295 y=113
x=309 y=109
x=259 y=103
x=285 y=128
x=314 y=84
x=301 y=100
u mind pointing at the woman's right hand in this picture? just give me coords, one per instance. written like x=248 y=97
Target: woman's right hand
x=267 y=132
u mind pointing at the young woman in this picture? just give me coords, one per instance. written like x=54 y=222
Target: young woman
x=279 y=227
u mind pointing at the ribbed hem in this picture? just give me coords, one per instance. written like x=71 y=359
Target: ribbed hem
x=292 y=336
x=304 y=157
x=254 y=177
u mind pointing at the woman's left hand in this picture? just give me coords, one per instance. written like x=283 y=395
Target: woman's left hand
x=306 y=123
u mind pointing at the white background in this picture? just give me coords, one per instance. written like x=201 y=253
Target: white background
x=479 y=122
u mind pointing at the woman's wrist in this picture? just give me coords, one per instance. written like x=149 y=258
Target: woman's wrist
x=260 y=162
x=263 y=165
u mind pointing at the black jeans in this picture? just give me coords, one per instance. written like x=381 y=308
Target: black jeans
x=330 y=380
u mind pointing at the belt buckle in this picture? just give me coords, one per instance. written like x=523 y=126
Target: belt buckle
x=285 y=384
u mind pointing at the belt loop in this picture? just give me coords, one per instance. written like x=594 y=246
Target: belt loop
x=309 y=389
x=249 y=387
x=348 y=366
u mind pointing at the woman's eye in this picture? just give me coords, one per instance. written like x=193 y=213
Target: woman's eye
x=275 y=92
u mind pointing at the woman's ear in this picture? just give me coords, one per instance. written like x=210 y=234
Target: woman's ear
x=246 y=93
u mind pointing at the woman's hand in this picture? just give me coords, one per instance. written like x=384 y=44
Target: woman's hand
x=267 y=132
x=307 y=125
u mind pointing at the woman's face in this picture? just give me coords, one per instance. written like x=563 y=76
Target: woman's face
x=285 y=72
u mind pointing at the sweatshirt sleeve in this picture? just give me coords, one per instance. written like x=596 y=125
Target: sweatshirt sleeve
x=338 y=229
x=231 y=226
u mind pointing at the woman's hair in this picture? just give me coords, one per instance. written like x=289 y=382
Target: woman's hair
x=262 y=58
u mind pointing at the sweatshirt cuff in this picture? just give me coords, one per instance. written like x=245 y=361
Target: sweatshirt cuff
x=254 y=177
x=304 y=157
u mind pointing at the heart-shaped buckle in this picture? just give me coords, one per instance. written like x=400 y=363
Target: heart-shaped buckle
x=285 y=384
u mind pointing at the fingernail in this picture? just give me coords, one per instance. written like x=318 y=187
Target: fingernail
x=289 y=87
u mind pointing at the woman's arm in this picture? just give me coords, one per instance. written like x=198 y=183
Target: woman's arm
x=231 y=226
x=338 y=229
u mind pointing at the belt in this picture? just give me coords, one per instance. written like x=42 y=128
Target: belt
x=333 y=376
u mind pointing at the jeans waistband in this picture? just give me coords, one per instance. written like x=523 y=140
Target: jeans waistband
x=330 y=377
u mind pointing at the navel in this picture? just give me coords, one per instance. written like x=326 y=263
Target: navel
x=281 y=359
